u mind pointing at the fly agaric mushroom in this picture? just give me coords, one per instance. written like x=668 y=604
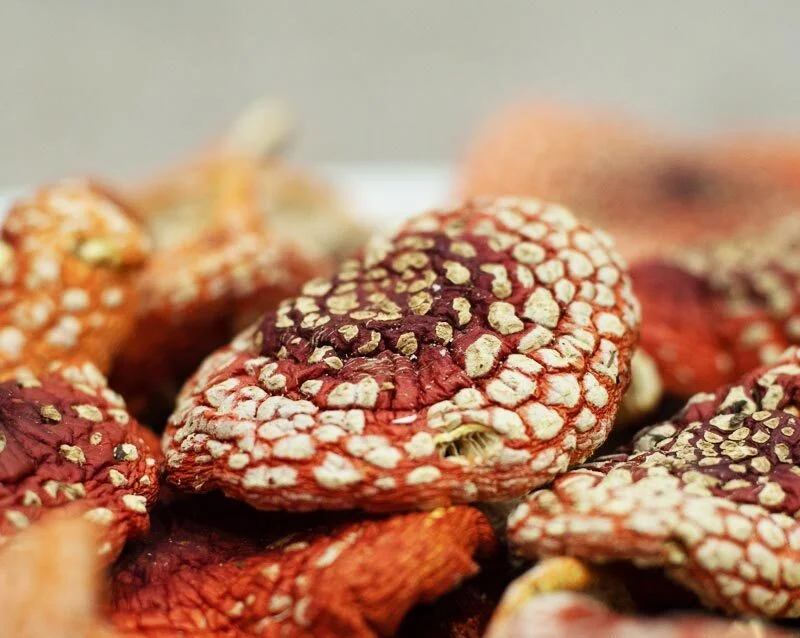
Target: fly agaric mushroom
x=66 y=441
x=50 y=583
x=357 y=579
x=475 y=355
x=710 y=496
x=651 y=194
x=195 y=296
x=68 y=256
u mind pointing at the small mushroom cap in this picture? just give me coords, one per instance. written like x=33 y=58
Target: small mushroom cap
x=68 y=257
x=711 y=496
x=577 y=615
x=354 y=579
x=475 y=355
x=66 y=441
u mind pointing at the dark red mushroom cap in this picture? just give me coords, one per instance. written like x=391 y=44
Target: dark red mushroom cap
x=357 y=579
x=475 y=355
x=66 y=440
x=711 y=496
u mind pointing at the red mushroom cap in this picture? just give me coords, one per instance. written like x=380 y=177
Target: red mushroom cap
x=66 y=440
x=475 y=355
x=357 y=579
x=711 y=496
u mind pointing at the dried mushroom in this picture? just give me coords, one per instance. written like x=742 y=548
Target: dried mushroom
x=711 y=496
x=195 y=296
x=475 y=355
x=69 y=254
x=651 y=194
x=66 y=441
x=355 y=579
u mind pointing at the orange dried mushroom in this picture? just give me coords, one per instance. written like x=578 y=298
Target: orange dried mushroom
x=200 y=578
x=651 y=194
x=196 y=295
x=68 y=259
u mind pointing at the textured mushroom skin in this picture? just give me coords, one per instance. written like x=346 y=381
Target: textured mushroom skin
x=711 y=496
x=66 y=440
x=68 y=257
x=578 y=615
x=479 y=353
x=358 y=579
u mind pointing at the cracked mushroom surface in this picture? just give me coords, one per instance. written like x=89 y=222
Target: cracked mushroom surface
x=651 y=193
x=197 y=293
x=69 y=254
x=478 y=353
x=66 y=441
x=203 y=577
x=711 y=496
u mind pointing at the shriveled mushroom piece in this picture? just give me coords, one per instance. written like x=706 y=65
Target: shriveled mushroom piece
x=50 y=582
x=478 y=353
x=66 y=441
x=651 y=193
x=197 y=294
x=711 y=496
x=578 y=615
x=356 y=579
x=69 y=254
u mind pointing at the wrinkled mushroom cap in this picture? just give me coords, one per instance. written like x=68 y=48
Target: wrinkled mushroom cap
x=68 y=256
x=66 y=441
x=711 y=496
x=476 y=354
x=357 y=579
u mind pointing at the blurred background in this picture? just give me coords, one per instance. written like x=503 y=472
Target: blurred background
x=121 y=88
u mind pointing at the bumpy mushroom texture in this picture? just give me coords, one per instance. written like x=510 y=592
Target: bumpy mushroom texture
x=66 y=441
x=49 y=587
x=577 y=615
x=651 y=194
x=645 y=391
x=711 y=496
x=357 y=579
x=712 y=316
x=477 y=354
x=197 y=295
x=68 y=257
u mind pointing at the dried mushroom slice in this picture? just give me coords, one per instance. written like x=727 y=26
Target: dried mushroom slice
x=66 y=441
x=68 y=257
x=50 y=587
x=711 y=496
x=195 y=296
x=357 y=579
x=578 y=615
x=475 y=355
x=650 y=193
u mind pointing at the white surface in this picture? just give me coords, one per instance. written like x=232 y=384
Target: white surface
x=382 y=195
